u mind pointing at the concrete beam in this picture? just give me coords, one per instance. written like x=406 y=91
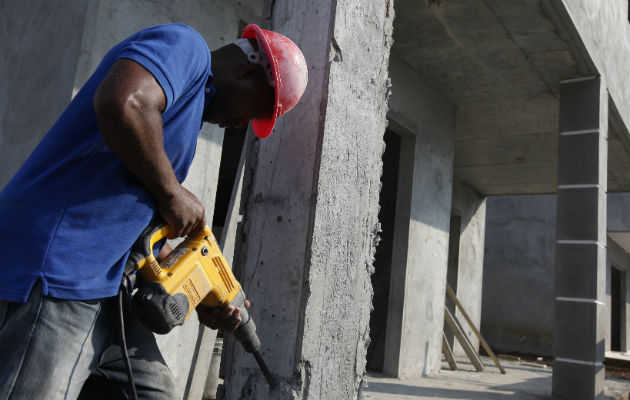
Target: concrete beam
x=311 y=206
x=580 y=276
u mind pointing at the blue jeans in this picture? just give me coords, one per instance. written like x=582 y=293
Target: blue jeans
x=68 y=349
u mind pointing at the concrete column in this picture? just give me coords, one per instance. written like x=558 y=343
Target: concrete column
x=309 y=227
x=419 y=262
x=579 y=327
x=471 y=206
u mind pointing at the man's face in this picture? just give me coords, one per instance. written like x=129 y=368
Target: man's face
x=246 y=97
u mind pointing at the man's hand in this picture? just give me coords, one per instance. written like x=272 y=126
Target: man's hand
x=227 y=319
x=182 y=211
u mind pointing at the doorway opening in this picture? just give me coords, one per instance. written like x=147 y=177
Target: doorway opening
x=617 y=279
x=383 y=256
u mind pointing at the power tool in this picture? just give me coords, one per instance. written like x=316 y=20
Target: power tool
x=195 y=272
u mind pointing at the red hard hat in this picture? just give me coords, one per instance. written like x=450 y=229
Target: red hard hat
x=288 y=69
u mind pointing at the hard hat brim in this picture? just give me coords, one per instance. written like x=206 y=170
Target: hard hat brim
x=263 y=127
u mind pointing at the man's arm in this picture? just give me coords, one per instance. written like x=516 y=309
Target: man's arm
x=129 y=105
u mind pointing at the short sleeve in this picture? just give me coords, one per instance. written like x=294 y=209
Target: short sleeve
x=175 y=54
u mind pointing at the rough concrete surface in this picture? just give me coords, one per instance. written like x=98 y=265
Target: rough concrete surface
x=521 y=382
x=311 y=220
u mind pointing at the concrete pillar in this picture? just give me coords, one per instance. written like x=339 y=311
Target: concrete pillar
x=578 y=371
x=420 y=258
x=471 y=206
x=310 y=207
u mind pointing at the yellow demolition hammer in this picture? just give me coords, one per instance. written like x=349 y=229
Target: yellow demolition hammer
x=195 y=272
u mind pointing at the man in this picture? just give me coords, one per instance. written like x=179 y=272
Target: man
x=116 y=156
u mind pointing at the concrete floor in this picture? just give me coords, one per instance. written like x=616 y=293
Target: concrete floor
x=521 y=382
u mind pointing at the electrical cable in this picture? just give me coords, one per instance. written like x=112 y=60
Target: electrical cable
x=123 y=345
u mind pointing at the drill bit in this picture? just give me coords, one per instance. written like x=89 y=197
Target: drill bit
x=273 y=383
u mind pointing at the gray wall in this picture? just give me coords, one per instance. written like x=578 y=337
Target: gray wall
x=518 y=276
x=40 y=47
x=517 y=310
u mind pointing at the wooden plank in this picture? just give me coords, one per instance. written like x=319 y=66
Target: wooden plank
x=448 y=353
x=463 y=340
x=483 y=342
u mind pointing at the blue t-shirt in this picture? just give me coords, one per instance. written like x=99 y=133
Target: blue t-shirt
x=72 y=212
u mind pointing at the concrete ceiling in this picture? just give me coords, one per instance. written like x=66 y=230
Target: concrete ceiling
x=500 y=63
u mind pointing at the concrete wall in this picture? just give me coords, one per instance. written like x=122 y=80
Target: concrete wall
x=40 y=47
x=471 y=206
x=517 y=312
x=311 y=207
x=416 y=305
x=604 y=29
x=518 y=276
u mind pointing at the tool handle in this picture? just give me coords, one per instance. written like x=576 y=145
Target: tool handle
x=142 y=250
x=246 y=331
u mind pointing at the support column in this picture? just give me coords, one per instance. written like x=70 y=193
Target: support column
x=310 y=222
x=413 y=344
x=579 y=327
x=471 y=206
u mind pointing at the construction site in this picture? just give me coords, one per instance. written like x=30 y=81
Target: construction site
x=444 y=215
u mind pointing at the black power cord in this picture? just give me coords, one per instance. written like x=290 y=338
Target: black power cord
x=123 y=344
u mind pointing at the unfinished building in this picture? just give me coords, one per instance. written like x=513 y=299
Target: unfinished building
x=376 y=183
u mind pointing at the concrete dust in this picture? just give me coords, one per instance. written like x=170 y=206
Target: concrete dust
x=284 y=392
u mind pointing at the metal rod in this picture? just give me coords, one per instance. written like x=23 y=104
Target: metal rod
x=265 y=370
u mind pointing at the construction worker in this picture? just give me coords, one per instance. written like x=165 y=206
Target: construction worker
x=117 y=156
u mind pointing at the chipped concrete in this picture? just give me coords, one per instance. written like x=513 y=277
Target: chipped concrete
x=309 y=245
